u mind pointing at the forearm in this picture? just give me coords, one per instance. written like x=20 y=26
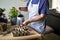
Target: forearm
x=37 y=18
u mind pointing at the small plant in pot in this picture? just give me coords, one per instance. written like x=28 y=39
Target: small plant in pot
x=13 y=15
x=3 y=18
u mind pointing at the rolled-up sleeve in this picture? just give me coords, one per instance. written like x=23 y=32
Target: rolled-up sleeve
x=45 y=8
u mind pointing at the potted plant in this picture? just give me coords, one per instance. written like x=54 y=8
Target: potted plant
x=3 y=18
x=13 y=15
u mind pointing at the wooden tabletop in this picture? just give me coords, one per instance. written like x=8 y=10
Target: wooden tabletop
x=29 y=37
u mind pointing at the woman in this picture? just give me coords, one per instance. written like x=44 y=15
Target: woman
x=38 y=9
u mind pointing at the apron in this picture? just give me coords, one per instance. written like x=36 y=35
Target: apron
x=39 y=26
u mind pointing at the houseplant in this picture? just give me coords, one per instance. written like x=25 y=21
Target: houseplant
x=13 y=15
x=3 y=18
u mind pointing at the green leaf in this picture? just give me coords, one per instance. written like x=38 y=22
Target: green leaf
x=13 y=12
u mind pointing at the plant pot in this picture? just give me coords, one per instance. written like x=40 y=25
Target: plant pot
x=13 y=21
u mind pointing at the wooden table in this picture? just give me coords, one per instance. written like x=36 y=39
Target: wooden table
x=34 y=36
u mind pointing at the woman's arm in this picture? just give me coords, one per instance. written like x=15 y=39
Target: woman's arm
x=37 y=18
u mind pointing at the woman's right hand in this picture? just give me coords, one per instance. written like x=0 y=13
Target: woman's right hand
x=23 y=8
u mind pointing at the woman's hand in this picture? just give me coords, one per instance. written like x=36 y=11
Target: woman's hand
x=26 y=22
x=23 y=8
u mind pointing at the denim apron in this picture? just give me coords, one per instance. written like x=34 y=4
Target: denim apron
x=39 y=26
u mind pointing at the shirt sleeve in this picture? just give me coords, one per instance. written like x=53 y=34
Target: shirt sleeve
x=45 y=8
